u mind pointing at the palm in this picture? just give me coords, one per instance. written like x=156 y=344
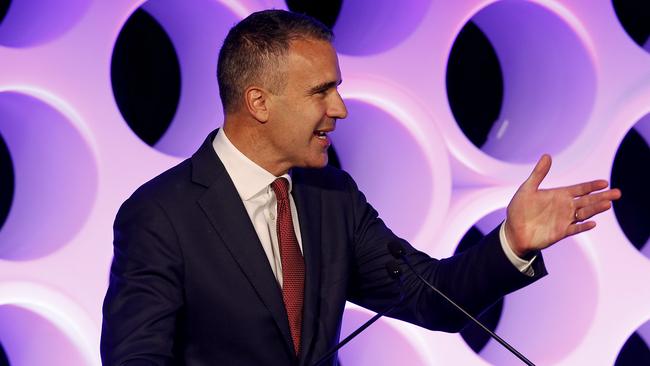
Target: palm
x=538 y=218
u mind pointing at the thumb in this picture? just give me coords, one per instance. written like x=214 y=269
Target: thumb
x=539 y=172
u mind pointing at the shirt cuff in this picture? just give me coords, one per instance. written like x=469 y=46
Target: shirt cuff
x=524 y=266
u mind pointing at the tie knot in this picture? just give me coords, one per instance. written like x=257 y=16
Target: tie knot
x=281 y=188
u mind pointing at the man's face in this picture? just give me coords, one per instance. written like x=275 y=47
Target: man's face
x=303 y=114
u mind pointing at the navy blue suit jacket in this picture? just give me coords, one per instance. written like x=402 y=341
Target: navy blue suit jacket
x=190 y=283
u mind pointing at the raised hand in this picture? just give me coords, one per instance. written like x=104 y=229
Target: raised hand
x=538 y=218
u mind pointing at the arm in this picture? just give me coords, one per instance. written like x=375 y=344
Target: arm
x=536 y=219
x=145 y=288
x=475 y=278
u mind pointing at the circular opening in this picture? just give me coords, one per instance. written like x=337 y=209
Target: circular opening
x=30 y=339
x=146 y=77
x=196 y=33
x=333 y=157
x=571 y=284
x=4 y=7
x=55 y=177
x=474 y=84
x=548 y=81
x=324 y=10
x=367 y=349
x=6 y=181
x=368 y=27
x=630 y=174
x=4 y=361
x=634 y=15
x=33 y=22
x=636 y=350
x=379 y=152
x=40 y=326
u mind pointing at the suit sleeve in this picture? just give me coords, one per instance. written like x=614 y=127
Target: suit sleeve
x=145 y=294
x=475 y=278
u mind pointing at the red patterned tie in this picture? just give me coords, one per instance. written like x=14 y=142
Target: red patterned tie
x=293 y=264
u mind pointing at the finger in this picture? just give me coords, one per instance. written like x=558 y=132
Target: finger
x=578 y=228
x=591 y=199
x=581 y=189
x=588 y=212
x=539 y=172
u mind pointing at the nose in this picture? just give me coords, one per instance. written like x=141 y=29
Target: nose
x=337 y=107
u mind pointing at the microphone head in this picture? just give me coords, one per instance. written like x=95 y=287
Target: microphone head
x=396 y=249
x=393 y=270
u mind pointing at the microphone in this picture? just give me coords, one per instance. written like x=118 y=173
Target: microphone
x=397 y=250
x=395 y=273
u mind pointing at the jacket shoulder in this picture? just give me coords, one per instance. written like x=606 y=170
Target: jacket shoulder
x=172 y=184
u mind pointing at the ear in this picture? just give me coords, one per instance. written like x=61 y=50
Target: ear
x=256 y=102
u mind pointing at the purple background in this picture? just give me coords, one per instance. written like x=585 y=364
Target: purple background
x=76 y=160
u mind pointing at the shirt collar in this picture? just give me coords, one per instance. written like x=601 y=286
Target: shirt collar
x=249 y=178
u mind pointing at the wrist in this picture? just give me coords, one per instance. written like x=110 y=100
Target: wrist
x=517 y=248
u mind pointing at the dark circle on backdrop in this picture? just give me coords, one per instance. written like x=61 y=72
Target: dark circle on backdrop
x=634 y=16
x=7 y=182
x=475 y=337
x=4 y=360
x=474 y=84
x=333 y=158
x=146 y=77
x=327 y=11
x=4 y=8
x=630 y=174
x=634 y=352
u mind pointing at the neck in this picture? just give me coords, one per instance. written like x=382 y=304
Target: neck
x=246 y=137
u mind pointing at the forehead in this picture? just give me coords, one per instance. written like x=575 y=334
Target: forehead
x=312 y=62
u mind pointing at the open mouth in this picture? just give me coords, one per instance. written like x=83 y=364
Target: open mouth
x=321 y=134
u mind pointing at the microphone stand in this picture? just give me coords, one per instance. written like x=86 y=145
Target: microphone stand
x=395 y=273
x=398 y=252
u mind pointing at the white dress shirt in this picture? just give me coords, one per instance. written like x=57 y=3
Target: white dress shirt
x=524 y=266
x=253 y=183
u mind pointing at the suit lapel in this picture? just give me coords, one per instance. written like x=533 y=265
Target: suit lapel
x=223 y=207
x=308 y=205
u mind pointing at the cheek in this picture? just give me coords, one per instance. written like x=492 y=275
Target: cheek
x=302 y=130
x=300 y=124
x=295 y=137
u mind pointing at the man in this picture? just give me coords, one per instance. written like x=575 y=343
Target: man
x=245 y=253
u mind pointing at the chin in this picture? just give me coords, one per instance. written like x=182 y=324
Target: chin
x=318 y=163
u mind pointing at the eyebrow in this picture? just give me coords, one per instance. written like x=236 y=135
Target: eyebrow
x=324 y=86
